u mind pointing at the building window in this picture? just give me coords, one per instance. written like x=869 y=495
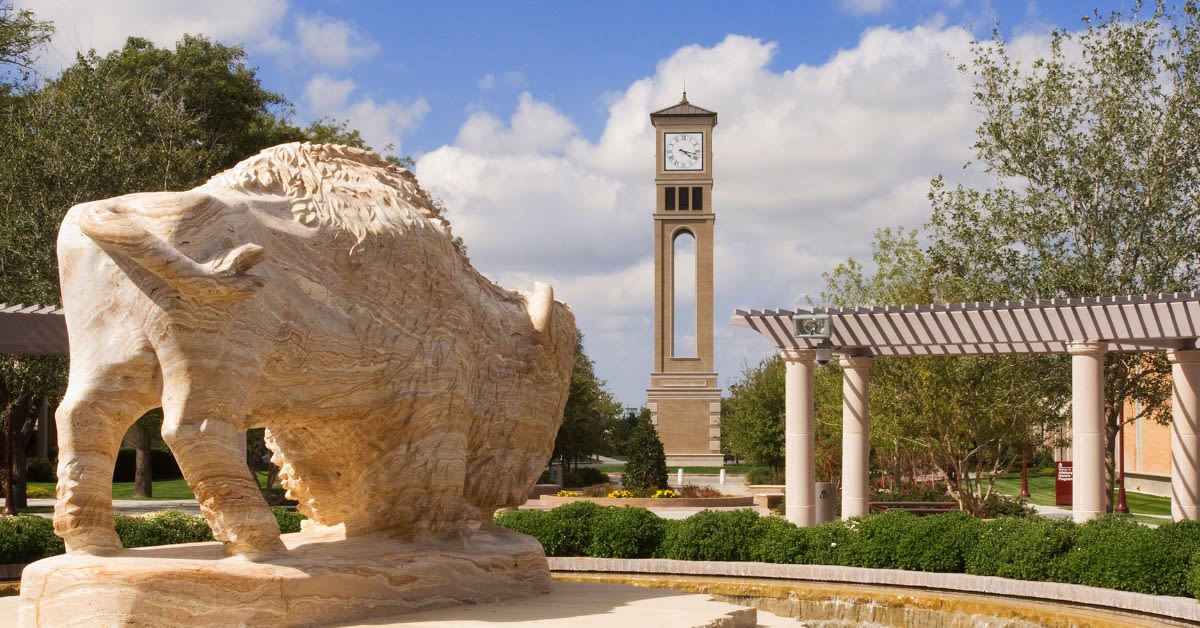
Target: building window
x=683 y=198
x=669 y=201
x=698 y=199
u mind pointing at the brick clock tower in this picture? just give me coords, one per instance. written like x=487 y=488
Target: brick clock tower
x=683 y=397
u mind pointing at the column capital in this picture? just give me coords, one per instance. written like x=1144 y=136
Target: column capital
x=855 y=361
x=798 y=355
x=1184 y=356
x=1087 y=347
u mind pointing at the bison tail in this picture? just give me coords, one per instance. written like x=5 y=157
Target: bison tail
x=119 y=226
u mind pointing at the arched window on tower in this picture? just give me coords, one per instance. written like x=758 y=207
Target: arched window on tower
x=683 y=341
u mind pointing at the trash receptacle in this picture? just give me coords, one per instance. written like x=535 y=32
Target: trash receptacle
x=826 y=502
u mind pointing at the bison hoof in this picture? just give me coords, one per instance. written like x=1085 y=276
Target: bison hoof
x=95 y=544
x=260 y=550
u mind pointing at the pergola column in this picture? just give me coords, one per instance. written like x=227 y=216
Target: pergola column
x=856 y=445
x=1087 y=429
x=1185 y=442
x=799 y=472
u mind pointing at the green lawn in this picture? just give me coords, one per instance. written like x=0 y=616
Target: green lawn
x=1041 y=491
x=163 y=489
x=729 y=468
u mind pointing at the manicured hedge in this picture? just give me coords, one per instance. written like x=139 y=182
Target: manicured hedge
x=26 y=538
x=1111 y=552
x=712 y=535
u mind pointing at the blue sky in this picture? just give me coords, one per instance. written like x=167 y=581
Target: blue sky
x=530 y=121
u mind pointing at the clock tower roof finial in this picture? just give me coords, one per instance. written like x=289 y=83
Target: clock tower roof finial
x=685 y=111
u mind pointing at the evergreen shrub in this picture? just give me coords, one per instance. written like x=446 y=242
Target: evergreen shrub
x=876 y=539
x=764 y=475
x=828 y=542
x=289 y=520
x=1181 y=544
x=625 y=532
x=997 y=505
x=40 y=470
x=647 y=463
x=779 y=541
x=583 y=476
x=1115 y=552
x=26 y=538
x=535 y=523
x=1024 y=548
x=713 y=535
x=569 y=529
x=939 y=543
x=168 y=527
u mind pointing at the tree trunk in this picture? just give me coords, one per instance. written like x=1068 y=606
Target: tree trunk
x=10 y=505
x=25 y=416
x=20 y=496
x=142 y=475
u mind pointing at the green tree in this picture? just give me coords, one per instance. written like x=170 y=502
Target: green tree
x=589 y=415
x=21 y=36
x=1094 y=152
x=752 y=416
x=647 y=464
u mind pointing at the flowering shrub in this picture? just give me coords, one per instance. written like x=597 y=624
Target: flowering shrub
x=663 y=493
x=620 y=493
x=566 y=493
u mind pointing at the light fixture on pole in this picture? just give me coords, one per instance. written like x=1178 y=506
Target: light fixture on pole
x=815 y=327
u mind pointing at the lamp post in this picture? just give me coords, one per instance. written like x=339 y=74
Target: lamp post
x=1024 y=472
x=1122 y=507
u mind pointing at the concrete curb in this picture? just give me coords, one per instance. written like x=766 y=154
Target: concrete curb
x=1175 y=608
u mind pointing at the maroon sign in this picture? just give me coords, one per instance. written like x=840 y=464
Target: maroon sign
x=1062 y=483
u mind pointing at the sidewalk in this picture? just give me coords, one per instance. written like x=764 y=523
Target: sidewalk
x=131 y=506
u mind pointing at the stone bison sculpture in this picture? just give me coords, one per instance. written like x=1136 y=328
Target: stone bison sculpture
x=315 y=291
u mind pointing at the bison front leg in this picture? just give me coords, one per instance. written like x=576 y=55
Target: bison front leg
x=91 y=422
x=212 y=459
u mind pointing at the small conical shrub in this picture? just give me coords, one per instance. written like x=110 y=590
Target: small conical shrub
x=647 y=464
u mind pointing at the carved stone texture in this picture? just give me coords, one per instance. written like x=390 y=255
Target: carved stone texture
x=314 y=291
x=322 y=580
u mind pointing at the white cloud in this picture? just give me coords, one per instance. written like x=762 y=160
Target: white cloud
x=105 y=24
x=332 y=43
x=534 y=127
x=488 y=81
x=381 y=124
x=808 y=163
x=324 y=93
x=865 y=7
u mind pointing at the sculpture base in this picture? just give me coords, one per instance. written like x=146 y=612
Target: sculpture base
x=323 y=579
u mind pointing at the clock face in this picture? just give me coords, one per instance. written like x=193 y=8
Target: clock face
x=683 y=151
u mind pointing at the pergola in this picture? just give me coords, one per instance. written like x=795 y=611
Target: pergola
x=1084 y=328
x=36 y=329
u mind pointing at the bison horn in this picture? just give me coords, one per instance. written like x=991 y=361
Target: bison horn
x=541 y=303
